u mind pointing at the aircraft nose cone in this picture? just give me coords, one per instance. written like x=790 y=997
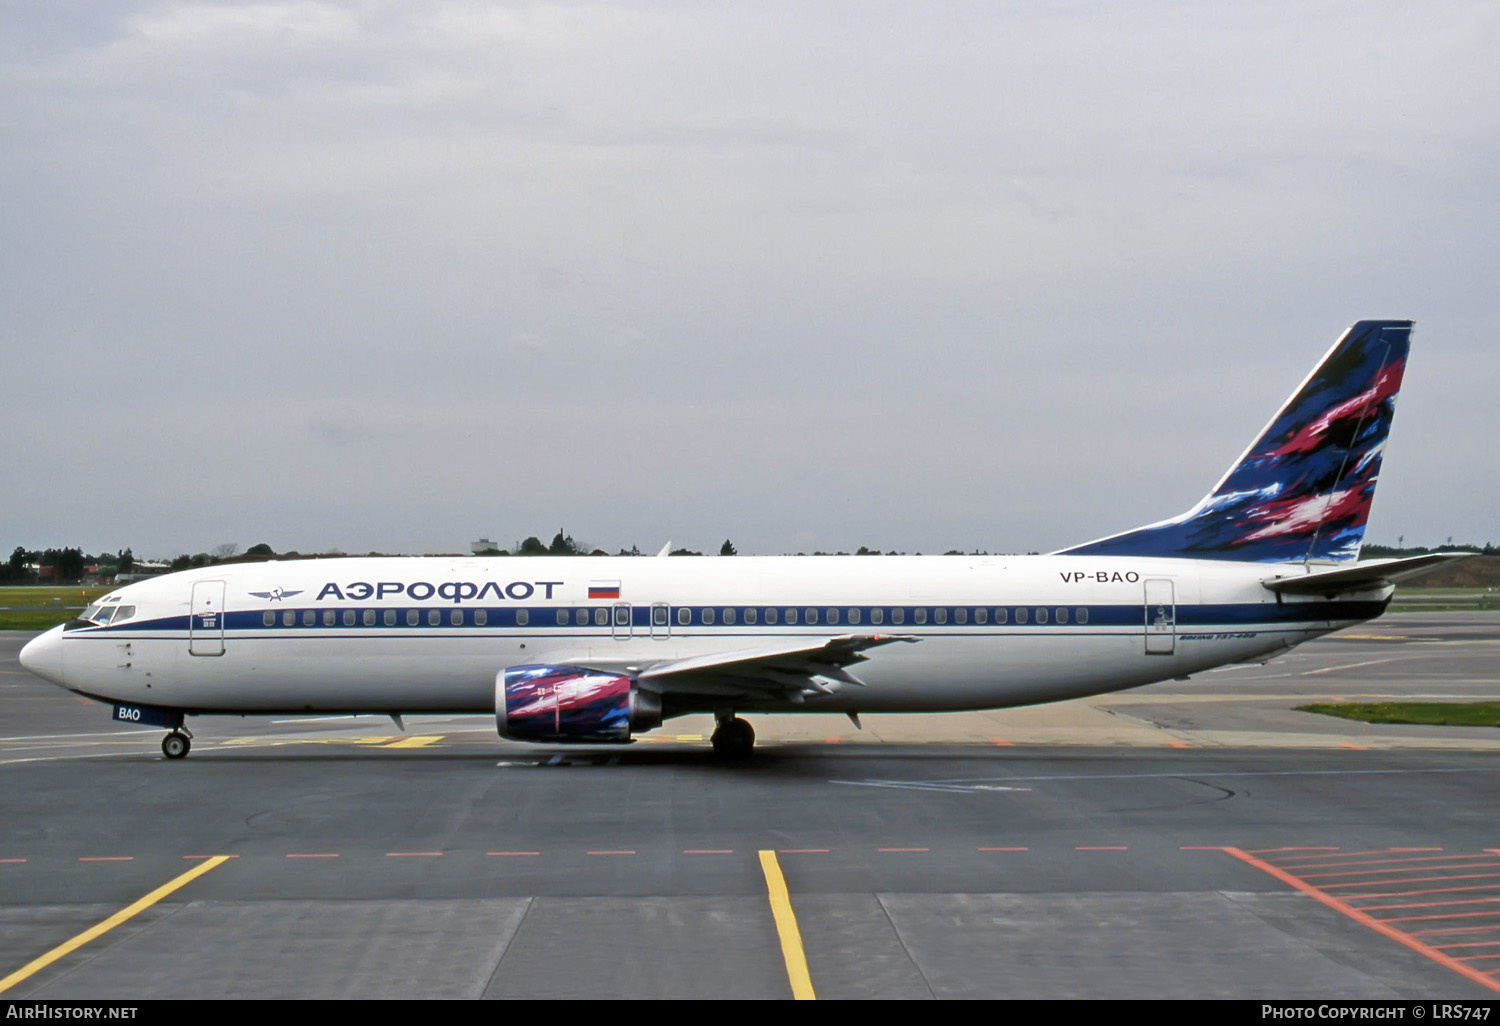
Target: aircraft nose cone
x=42 y=655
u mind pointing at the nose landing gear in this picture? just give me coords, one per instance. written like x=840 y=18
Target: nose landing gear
x=177 y=744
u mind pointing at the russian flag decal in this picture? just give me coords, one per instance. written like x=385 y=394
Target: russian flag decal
x=604 y=589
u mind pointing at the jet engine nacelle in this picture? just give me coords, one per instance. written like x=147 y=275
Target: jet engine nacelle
x=571 y=704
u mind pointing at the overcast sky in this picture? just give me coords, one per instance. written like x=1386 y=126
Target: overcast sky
x=1009 y=276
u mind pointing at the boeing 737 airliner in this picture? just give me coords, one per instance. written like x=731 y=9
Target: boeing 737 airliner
x=594 y=650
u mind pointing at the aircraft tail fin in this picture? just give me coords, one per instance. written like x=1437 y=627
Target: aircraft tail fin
x=1302 y=490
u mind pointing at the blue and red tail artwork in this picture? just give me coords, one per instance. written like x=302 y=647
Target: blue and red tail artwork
x=1302 y=491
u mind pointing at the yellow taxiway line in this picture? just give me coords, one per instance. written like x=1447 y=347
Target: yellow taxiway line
x=109 y=924
x=786 y=926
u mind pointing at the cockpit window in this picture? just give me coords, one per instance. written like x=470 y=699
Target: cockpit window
x=101 y=614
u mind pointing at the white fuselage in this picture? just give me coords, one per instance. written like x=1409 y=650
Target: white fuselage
x=429 y=634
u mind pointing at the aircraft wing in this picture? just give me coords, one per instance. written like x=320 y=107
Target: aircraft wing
x=1363 y=576
x=795 y=666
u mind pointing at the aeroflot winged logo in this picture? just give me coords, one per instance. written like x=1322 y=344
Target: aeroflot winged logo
x=275 y=594
x=448 y=591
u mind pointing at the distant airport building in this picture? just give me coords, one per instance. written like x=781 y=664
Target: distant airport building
x=483 y=545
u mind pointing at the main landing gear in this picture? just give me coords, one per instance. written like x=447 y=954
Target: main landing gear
x=177 y=744
x=733 y=738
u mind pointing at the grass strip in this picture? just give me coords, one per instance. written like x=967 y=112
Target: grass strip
x=1443 y=714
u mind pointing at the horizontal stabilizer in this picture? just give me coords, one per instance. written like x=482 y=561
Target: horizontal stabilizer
x=1375 y=573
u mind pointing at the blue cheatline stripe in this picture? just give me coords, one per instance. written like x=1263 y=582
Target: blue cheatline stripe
x=544 y=619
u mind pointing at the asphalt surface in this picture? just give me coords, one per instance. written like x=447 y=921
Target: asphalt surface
x=1192 y=839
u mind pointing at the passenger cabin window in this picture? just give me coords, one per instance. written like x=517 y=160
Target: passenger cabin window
x=751 y=615
x=684 y=615
x=791 y=616
x=898 y=615
x=1062 y=615
x=434 y=618
x=960 y=616
x=919 y=616
x=601 y=617
x=482 y=617
x=456 y=618
x=1041 y=615
x=412 y=617
x=562 y=617
x=581 y=618
x=854 y=616
x=877 y=616
x=523 y=617
x=1002 y=615
x=729 y=616
x=368 y=617
x=328 y=617
x=708 y=616
x=288 y=618
x=268 y=618
x=389 y=617
x=1020 y=614
x=810 y=616
x=1082 y=615
x=940 y=615
x=658 y=616
x=771 y=615
x=833 y=616
x=348 y=618
x=981 y=616
x=309 y=618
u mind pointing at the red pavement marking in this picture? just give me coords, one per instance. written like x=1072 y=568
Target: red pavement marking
x=12 y=860
x=1002 y=742
x=1177 y=744
x=1269 y=851
x=1378 y=925
x=1452 y=929
x=1452 y=915
x=1338 y=853
x=1428 y=890
x=1413 y=869
x=1377 y=862
x=1428 y=904
x=1416 y=879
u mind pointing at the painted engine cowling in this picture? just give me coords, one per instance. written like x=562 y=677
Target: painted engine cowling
x=571 y=704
